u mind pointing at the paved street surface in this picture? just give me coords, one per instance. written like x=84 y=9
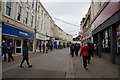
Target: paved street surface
x=55 y=64
x=59 y=64
x=99 y=68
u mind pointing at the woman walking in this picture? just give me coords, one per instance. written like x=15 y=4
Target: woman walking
x=25 y=56
x=84 y=53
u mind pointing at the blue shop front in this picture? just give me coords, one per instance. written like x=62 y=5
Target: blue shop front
x=18 y=37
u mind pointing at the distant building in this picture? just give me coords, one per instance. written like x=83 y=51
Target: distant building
x=86 y=27
x=60 y=36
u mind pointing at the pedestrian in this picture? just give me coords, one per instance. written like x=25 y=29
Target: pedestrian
x=40 y=47
x=25 y=56
x=4 y=49
x=51 y=47
x=10 y=52
x=43 y=46
x=47 y=46
x=84 y=53
x=95 y=49
x=76 y=49
x=79 y=46
x=72 y=50
x=90 y=51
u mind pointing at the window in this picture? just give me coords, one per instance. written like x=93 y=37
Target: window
x=26 y=18
x=8 y=8
x=33 y=4
x=38 y=9
x=19 y=13
x=38 y=24
x=32 y=21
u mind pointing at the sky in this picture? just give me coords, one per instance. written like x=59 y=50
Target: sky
x=70 y=11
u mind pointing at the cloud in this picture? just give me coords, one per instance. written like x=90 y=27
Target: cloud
x=71 y=12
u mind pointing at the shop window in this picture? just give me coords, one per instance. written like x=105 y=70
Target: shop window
x=106 y=41
x=118 y=39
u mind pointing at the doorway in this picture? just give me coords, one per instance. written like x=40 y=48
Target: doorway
x=18 y=46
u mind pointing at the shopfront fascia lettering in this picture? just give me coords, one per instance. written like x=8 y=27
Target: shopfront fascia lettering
x=23 y=33
x=41 y=37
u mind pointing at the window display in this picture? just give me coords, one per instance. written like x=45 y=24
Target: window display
x=118 y=39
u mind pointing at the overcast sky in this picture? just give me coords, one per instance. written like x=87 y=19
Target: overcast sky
x=71 y=12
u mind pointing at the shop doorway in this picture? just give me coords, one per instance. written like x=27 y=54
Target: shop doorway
x=18 y=46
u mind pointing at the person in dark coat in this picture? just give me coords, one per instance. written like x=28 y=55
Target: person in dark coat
x=51 y=47
x=84 y=53
x=10 y=52
x=43 y=46
x=25 y=56
x=76 y=49
x=40 y=47
x=4 y=50
x=72 y=49
x=47 y=47
x=91 y=49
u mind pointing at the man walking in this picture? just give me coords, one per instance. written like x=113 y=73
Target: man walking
x=25 y=56
x=90 y=51
x=4 y=50
x=84 y=53
x=10 y=52
x=40 y=47
x=72 y=49
x=76 y=49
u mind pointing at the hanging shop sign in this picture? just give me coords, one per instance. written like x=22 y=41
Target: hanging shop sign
x=9 y=30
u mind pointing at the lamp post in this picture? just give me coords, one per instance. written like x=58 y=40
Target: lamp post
x=34 y=47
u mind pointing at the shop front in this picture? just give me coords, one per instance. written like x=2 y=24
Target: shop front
x=41 y=39
x=18 y=37
x=105 y=31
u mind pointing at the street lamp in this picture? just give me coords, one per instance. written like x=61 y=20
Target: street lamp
x=35 y=27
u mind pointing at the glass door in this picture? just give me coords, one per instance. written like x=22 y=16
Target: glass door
x=18 y=44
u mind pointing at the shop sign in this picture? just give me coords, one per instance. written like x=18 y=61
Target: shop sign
x=41 y=37
x=23 y=33
x=16 y=32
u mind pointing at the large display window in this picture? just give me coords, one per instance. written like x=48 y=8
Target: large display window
x=118 y=39
x=105 y=41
